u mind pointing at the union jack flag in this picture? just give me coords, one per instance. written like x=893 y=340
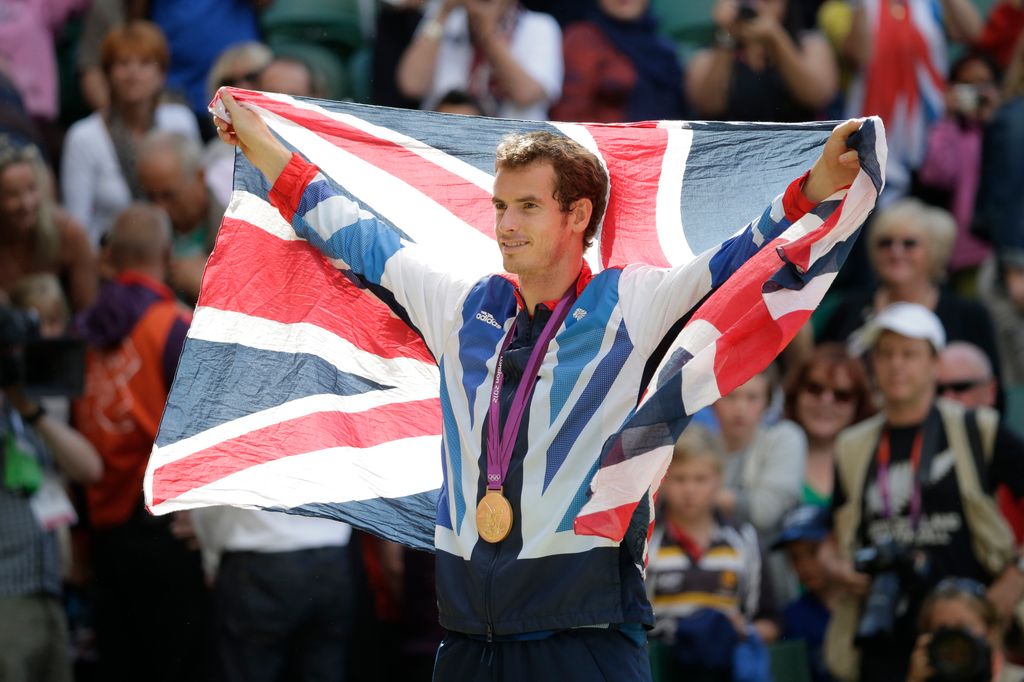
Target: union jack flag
x=303 y=388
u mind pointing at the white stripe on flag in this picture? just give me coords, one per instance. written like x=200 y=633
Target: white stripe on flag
x=258 y=212
x=614 y=486
x=671 y=234
x=222 y=326
x=332 y=475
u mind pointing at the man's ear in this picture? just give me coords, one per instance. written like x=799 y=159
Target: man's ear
x=579 y=214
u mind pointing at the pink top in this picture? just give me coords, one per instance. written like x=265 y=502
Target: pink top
x=953 y=163
x=26 y=49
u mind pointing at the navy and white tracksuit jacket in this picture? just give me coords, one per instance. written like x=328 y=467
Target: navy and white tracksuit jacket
x=543 y=577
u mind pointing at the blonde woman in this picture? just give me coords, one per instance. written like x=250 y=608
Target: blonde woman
x=36 y=235
x=910 y=244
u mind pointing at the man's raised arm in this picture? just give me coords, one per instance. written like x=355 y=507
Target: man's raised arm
x=341 y=229
x=655 y=299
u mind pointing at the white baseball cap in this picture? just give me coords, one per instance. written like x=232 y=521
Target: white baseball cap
x=912 y=320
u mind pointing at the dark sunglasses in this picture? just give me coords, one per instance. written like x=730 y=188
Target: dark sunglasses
x=907 y=243
x=959 y=386
x=840 y=395
x=250 y=77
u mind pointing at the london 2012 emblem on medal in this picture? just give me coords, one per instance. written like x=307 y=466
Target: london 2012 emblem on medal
x=493 y=517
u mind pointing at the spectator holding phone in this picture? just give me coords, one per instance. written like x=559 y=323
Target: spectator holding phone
x=763 y=66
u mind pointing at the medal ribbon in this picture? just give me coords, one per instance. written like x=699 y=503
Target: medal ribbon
x=499 y=447
x=883 y=476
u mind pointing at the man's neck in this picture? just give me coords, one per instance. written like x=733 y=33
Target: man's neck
x=549 y=286
x=911 y=412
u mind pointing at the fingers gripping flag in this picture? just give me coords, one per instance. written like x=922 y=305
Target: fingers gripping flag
x=304 y=388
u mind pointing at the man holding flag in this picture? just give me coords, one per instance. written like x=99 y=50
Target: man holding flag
x=541 y=376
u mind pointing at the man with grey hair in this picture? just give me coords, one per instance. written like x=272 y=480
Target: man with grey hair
x=914 y=487
x=965 y=375
x=171 y=175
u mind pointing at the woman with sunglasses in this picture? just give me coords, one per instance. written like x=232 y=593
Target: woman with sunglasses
x=825 y=394
x=910 y=245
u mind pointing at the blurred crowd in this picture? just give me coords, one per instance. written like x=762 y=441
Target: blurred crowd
x=852 y=513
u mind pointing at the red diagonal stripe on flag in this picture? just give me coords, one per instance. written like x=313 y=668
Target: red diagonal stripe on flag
x=634 y=156
x=309 y=433
x=462 y=198
x=288 y=282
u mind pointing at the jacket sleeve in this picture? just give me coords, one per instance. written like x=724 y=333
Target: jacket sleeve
x=355 y=239
x=654 y=299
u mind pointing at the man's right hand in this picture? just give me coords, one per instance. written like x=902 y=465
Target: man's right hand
x=844 y=576
x=248 y=132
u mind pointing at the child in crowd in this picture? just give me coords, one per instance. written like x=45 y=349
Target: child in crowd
x=806 y=618
x=706 y=577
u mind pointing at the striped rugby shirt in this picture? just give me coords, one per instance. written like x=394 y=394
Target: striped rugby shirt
x=543 y=576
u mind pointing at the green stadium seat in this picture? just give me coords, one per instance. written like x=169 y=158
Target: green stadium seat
x=1014 y=413
x=789 y=661
x=360 y=72
x=688 y=23
x=335 y=24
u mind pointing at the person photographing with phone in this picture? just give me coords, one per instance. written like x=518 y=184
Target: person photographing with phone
x=764 y=66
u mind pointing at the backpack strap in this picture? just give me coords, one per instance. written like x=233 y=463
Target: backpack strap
x=978 y=453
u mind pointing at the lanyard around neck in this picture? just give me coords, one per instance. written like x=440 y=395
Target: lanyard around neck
x=501 y=442
x=884 y=456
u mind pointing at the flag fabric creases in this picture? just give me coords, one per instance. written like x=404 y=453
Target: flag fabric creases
x=305 y=388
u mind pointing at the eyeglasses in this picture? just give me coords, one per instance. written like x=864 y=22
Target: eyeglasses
x=840 y=395
x=907 y=243
x=959 y=386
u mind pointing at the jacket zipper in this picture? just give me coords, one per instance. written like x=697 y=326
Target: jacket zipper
x=487 y=592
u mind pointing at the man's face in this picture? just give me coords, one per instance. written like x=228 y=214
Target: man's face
x=689 y=488
x=183 y=198
x=963 y=379
x=533 y=232
x=906 y=369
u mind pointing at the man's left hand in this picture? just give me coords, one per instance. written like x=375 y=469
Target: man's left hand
x=836 y=167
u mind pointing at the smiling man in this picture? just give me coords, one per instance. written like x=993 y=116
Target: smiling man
x=539 y=368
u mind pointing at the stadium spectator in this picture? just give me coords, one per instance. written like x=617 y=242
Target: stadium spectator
x=98 y=174
x=36 y=235
x=1000 y=210
x=898 y=48
x=914 y=487
x=283 y=594
x=101 y=18
x=763 y=466
x=706 y=576
x=27 y=30
x=1002 y=289
x=803 y=533
x=151 y=600
x=965 y=375
x=238 y=66
x=764 y=66
x=395 y=28
x=909 y=244
x=952 y=164
x=825 y=394
x=508 y=58
x=172 y=177
x=197 y=32
x=15 y=121
x=292 y=76
x=960 y=632
x=458 y=102
x=618 y=68
x=33 y=506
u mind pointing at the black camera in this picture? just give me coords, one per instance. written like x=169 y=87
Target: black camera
x=747 y=10
x=39 y=367
x=957 y=655
x=897 y=571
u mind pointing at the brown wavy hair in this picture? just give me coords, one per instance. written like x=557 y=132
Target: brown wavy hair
x=835 y=358
x=578 y=173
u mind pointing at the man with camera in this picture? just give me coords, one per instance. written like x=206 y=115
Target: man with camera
x=913 y=501
x=35 y=449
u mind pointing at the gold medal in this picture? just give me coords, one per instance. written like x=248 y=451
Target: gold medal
x=493 y=517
